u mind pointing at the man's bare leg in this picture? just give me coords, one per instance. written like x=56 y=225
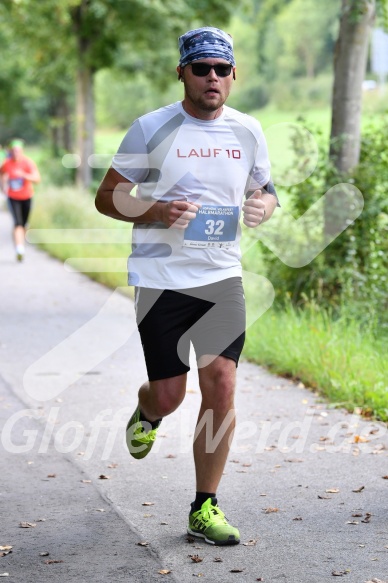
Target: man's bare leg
x=217 y=381
x=206 y=519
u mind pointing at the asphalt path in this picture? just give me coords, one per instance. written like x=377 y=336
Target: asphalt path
x=305 y=483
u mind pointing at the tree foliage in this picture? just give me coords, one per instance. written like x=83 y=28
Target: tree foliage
x=76 y=38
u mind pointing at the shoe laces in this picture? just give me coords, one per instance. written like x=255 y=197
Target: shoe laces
x=211 y=514
x=143 y=435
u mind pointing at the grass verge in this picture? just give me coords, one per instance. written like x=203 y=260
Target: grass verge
x=337 y=358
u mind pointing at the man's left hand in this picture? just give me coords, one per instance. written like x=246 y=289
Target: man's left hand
x=254 y=210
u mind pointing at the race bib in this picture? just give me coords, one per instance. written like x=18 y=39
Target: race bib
x=214 y=226
x=16 y=183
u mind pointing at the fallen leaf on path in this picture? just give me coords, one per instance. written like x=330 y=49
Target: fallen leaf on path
x=294 y=460
x=236 y=570
x=170 y=456
x=164 y=571
x=52 y=561
x=270 y=509
x=385 y=477
x=148 y=503
x=332 y=491
x=339 y=573
x=86 y=481
x=51 y=475
x=190 y=539
x=114 y=465
x=143 y=544
x=27 y=525
x=360 y=439
x=360 y=489
x=352 y=522
x=195 y=558
x=6 y=548
x=44 y=554
x=357 y=515
x=103 y=477
x=297 y=518
x=367 y=518
x=4 y=574
x=250 y=543
x=324 y=497
x=217 y=560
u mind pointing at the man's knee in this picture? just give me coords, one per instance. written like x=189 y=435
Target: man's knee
x=218 y=384
x=168 y=394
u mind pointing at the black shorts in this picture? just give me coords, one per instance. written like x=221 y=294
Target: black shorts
x=211 y=317
x=20 y=210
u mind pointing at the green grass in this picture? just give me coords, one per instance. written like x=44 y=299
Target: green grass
x=337 y=358
x=65 y=208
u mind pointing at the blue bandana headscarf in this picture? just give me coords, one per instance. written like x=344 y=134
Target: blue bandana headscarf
x=205 y=42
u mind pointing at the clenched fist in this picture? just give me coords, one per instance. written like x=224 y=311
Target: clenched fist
x=178 y=213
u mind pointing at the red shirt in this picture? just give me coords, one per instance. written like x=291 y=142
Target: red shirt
x=18 y=188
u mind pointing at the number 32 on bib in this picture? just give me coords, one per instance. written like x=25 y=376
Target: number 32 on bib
x=214 y=226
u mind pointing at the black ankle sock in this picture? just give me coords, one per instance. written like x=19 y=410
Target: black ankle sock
x=154 y=424
x=201 y=497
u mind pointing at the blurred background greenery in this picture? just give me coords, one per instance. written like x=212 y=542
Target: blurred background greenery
x=76 y=73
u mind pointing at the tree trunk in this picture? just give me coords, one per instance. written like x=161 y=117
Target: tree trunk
x=349 y=70
x=85 y=124
x=67 y=142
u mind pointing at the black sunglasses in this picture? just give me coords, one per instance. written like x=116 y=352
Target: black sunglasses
x=203 y=69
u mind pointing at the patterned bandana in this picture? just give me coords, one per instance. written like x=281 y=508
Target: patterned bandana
x=205 y=42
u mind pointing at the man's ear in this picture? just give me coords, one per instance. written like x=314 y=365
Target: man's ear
x=179 y=71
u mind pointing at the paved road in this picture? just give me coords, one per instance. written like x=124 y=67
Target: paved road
x=304 y=482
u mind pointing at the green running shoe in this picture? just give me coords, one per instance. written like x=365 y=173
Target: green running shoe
x=139 y=440
x=210 y=523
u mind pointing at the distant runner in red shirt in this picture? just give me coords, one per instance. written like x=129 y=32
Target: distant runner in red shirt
x=18 y=173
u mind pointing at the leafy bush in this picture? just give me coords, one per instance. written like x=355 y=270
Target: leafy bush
x=351 y=273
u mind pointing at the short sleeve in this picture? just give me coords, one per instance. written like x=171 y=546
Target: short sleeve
x=131 y=160
x=261 y=170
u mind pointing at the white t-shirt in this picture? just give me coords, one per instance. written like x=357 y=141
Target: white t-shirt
x=173 y=156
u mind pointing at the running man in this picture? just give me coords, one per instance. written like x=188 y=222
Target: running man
x=17 y=174
x=198 y=165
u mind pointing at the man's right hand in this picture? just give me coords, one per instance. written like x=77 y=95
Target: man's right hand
x=178 y=213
